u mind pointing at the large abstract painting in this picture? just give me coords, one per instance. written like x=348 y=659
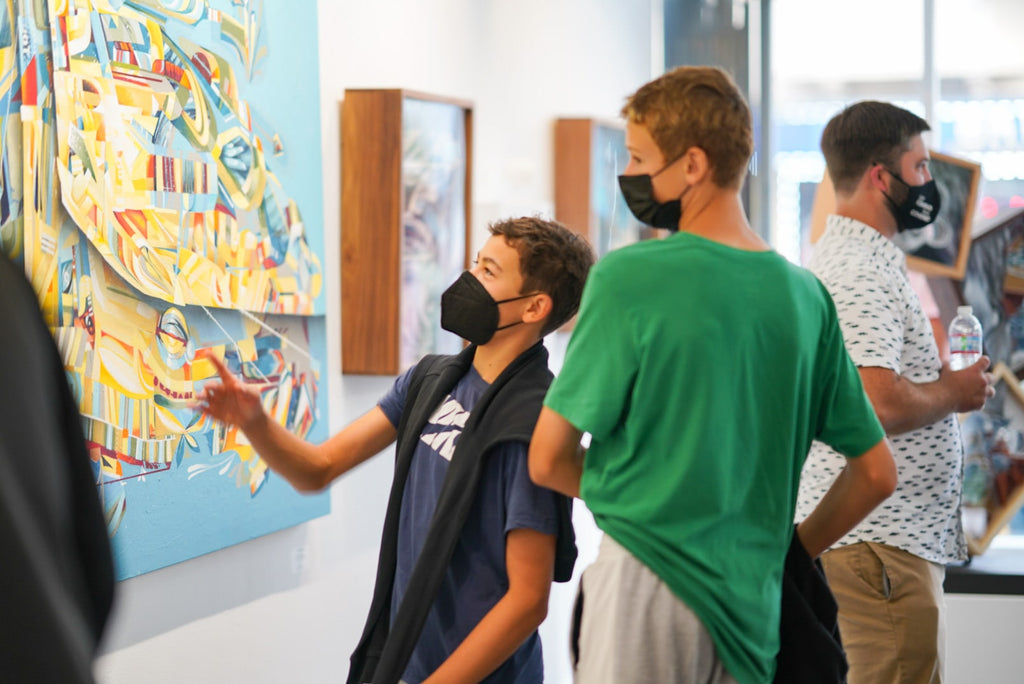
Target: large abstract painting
x=164 y=198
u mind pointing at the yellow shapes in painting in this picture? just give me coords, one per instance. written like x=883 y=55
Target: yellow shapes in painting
x=160 y=167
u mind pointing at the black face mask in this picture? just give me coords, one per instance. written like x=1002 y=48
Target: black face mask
x=919 y=207
x=638 y=191
x=469 y=311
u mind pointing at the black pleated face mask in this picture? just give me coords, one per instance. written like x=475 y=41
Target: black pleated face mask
x=469 y=310
x=638 y=191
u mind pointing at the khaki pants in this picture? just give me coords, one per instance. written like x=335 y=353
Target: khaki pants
x=891 y=613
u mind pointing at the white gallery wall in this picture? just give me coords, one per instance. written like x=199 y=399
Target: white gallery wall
x=289 y=607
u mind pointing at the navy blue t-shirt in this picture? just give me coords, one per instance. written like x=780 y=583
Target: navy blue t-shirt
x=476 y=577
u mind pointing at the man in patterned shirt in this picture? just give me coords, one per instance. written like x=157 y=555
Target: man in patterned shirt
x=887 y=573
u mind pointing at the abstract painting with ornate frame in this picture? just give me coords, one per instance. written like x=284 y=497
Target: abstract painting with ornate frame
x=165 y=201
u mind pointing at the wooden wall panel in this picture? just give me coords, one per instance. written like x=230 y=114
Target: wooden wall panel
x=371 y=165
x=572 y=174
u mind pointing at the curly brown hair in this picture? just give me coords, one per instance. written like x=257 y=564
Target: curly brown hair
x=552 y=259
x=697 y=106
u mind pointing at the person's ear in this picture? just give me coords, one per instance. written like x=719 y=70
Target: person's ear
x=877 y=177
x=538 y=308
x=696 y=166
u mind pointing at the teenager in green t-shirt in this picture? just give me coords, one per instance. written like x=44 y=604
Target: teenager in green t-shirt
x=703 y=366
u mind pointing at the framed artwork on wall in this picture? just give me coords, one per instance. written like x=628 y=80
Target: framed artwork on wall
x=941 y=248
x=165 y=201
x=1014 y=280
x=405 y=222
x=991 y=286
x=590 y=154
x=993 y=462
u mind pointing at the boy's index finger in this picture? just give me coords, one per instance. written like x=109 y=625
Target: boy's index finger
x=222 y=370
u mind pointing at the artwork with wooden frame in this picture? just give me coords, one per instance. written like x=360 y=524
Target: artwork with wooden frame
x=994 y=462
x=990 y=286
x=589 y=156
x=405 y=221
x=1014 y=279
x=942 y=247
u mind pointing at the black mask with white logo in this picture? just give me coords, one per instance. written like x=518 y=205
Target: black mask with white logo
x=469 y=310
x=919 y=207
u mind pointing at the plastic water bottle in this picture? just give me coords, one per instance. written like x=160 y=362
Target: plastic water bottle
x=964 y=339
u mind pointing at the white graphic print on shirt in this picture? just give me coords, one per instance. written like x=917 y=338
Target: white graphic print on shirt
x=449 y=414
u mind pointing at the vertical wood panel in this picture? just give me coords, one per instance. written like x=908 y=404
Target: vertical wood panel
x=572 y=174
x=371 y=135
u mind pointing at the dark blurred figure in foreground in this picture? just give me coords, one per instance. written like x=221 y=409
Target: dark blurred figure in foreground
x=56 y=571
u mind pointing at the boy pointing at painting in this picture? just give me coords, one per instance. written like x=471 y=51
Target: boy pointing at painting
x=470 y=544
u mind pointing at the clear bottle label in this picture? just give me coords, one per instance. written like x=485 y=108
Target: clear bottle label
x=965 y=343
x=964 y=351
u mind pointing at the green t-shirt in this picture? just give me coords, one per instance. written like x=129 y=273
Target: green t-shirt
x=703 y=373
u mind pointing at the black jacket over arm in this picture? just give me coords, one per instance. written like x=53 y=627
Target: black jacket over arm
x=810 y=646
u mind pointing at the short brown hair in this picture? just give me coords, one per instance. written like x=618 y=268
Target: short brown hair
x=864 y=134
x=552 y=259
x=697 y=107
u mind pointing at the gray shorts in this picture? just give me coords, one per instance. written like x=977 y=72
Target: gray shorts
x=629 y=627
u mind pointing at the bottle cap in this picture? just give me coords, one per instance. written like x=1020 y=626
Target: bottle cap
x=964 y=311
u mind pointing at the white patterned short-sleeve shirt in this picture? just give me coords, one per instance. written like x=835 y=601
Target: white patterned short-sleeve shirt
x=884 y=326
